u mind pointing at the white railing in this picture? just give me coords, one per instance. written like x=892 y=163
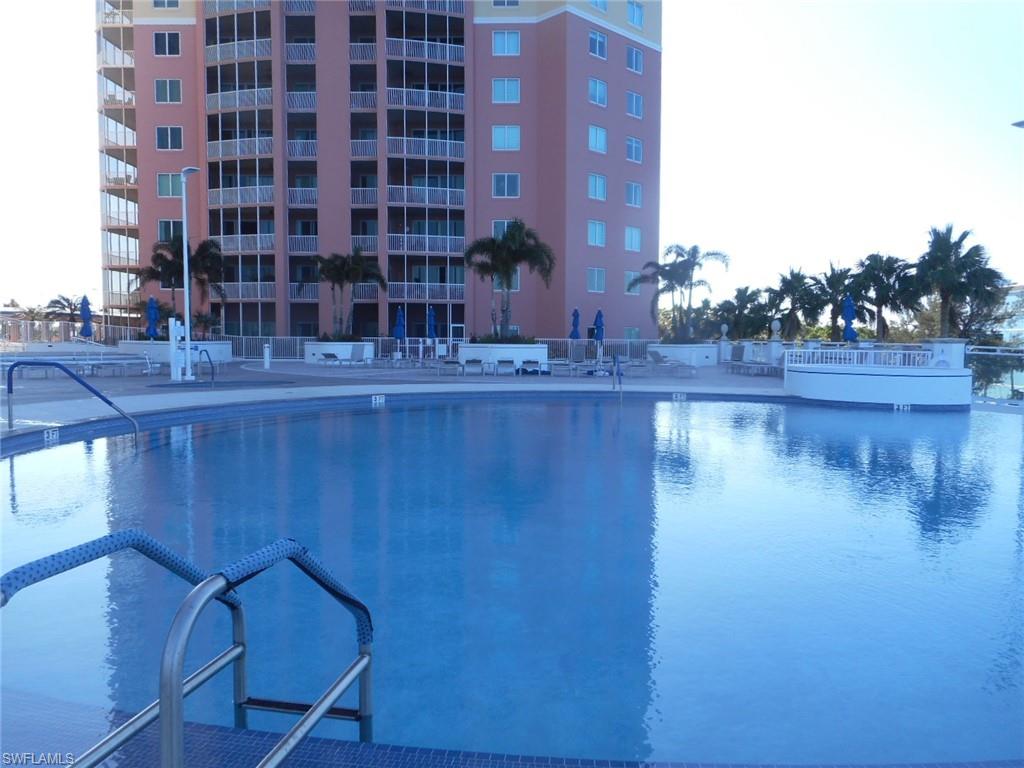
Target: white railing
x=303 y=243
x=887 y=357
x=427 y=291
x=364 y=195
x=365 y=243
x=115 y=18
x=362 y=51
x=304 y=291
x=364 y=147
x=298 y=52
x=240 y=49
x=14 y=331
x=302 y=148
x=426 y=243
x=238 y=147
x=422 y=49
x=398 y=145
x=247 y=97
x=365 y=292
x=360 y=5
x=117 y=219
x=230 y=6
x=122 y=180
x=301 y=101
x=299 y=6
x=248 y=290
x=115 y=57
x=626 y=349
x=362 y=100
x=251 y=347
x=455 y=198
x=441 y=6
x=302 y=195
x=415 y=97
x=241 y=195
x=245 y=242
x=118 y=98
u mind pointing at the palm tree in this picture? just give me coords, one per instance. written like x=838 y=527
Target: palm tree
x=689 y=261
x=204 y=321
x=665 y=279
x=500 y=257
x=32 y=313
x=832 y=288
x=797 y=298
x=332 y=271
x=887 y=283
x=205 y=265
x=741 y=312
x=953 y=273
x=64 y=306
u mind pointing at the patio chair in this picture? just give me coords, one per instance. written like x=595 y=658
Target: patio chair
x=530 y=368
x=330 y=358
x=505 y=366
x=475 y=365
x=447 y=365
x=660 y=362
x=357 y=355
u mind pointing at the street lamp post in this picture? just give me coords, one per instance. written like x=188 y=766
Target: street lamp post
x=185 y=173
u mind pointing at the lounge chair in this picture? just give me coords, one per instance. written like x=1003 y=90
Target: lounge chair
x=357 y=355
x=454 y=366
x=662 y=363
x=330 y=358
x=530 y=368
x=505 y=366
x=474 y=365
x=577 y=356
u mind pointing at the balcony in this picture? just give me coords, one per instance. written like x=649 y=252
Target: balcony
x=362 y=51
x=239 y=147
x=427 y=291
x=304 y=291
x=123 y=139
x=449 y=198
x=364 y=147
x=241 y=195
x=301 y=101
x=449 y=101
x=248 y=97
x=303 y=7
x=240 y=49
x=115 y=57
x=119 y=98
x=302 y=196
x=121 y=219
x=362 y=100
x=365 y=291
x=248 y=290
x=364 y=195
x=440 y=244
x=303 y=243
x=452 y=150
x=420 y=49
x=235 y=243
x=126 y=179
x=302 y=148
x=365 y=243
x=298 y=53
x=360 y=6
x=112 y=17
x=440 y=6
x=214 y=7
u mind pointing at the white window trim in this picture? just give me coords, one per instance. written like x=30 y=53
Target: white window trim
x=625 y=239
x=628 y=279
x=602 y=177
x=639 y=96
x=590 y=148
x=495 y=174
x=629 y=68
x=595 y=55
x=605 y=275
x=628 y=158
x=602 y=228
x=641 y=188
x=517 y=282
x=171 y=174
x=506 y=80
x=166 y=55
x=167 y=80
x=494 y=38
x=156 y=139
x=506 y=126
x=590 y=100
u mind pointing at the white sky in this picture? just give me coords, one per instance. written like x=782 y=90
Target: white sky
x=794 y=133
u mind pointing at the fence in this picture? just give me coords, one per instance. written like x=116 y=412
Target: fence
x=887 y=357
x=62 y=331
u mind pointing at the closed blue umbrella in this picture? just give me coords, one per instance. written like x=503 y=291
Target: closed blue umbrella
x=599 y=326
x=849 y=315
x=431 y=323
x=574 y=332
x=398 y=331
x=152 y=317
x=86 y=313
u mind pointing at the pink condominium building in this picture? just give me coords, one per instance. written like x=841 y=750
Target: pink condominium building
x=405 y=128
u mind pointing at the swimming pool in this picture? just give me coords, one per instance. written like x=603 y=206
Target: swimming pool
x=703 y=581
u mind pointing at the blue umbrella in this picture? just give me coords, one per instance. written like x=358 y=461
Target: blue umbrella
x=599 y=326
x=431 y=323
x=86 y=313
x=849 y=315
x=574 y=332
x=398 y=331
x=152 y=316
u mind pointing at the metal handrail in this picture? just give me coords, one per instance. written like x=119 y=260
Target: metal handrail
x=213 y=371
x=73 y=375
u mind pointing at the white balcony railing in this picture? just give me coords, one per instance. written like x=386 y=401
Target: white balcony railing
x=248 y=290
x=364 y=195
x=364 y=148
x=115 y=57
x=422 y=49
x=360 y=5
x=301 y=101
x=426 y=243
x=304 y=291
x=362 y=100
x=415 y=97
x=398 y=145
x=365 y=291
x=121 y=219
x=302 y=196
x=440 y=6
x=113 y=17
x=296 y=53
x=299 y=6
x=365 y=243
x=887 y=357
x=241 y=195
x=232 y=6
x=427 y=291
x=303 y=243
x=245 y=242
x=362 y=51
x=239 y=147
x=241 y=49
x=454 y=198
x=302 y=148
x=249 y=97
x=118 y=98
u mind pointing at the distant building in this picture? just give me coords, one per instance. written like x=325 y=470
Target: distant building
x=1014 y=329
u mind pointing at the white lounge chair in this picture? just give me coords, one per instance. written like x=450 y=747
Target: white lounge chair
x=357 y=355
x=473 y=365
x=530 y=368
x=662 y=363
x=330 y=358
x=505 y=366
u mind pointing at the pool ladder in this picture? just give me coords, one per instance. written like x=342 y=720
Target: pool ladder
x=219 y=586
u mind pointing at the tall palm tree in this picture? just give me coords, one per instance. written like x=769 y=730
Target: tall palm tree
x=332 y=271
x=357 y=268
x=954 y=273
x=741 y=312
x=688 y=262
x=832 y=288
x=205 y=265
x=64 y=306
x=797 y=299
x=665 y=277
x=887 y=283
x=499 y=257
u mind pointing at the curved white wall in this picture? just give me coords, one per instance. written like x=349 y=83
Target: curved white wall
x=881 y=385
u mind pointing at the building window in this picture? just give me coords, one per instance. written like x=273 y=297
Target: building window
x=165 y=3
x=634 y=105
x=632 y=238
x=167 y=43
x=631 y=288
x=505 y=3
x=631 y=333
x=634 y=149
x=505 y=42
x=505 y=138
x=168 y=185
x=595 y=280
x=597 y=139
x=499 y=283
x=598 y=45
x=597 y=186
x=168 y=91
x=504 y=185
x=636 y=13
x=168 y=229
x=498 y=227
x=596 y=233
x=597 y=92
x=634 y=60
x=168 y=137
x=505 y=90
x=601 y=5
x=634 y=194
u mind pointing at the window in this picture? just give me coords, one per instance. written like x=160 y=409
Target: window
x=597 y=92
x=632 y=238
x=167 y=43
x=505 y=90
x=597 y=139
x=498 y=227
x=598 y=45
x=505 y=3
x=504 y=185
x=597 y=186
x=505 y=42
x=634 y=60
x=595 y=280
x=168 y=137
x=634 y=194
x=168 y=185
x=634 y=105
x=505 y=138
x=168 y=229
x=630 y=277
x=165 y=3
x=601 y=5
x=632 y=333
x=499 y=283
x=168 y=91
x=636 y=13
x=596 y=233
x=634 y=149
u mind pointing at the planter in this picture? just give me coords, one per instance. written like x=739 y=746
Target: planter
x=160 y=351
x=314 y=350
x=691 y=354
x=492 y=353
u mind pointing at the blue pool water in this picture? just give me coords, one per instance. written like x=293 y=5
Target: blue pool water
x=727 y=582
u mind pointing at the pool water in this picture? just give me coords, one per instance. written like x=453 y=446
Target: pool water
x=715 y=582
